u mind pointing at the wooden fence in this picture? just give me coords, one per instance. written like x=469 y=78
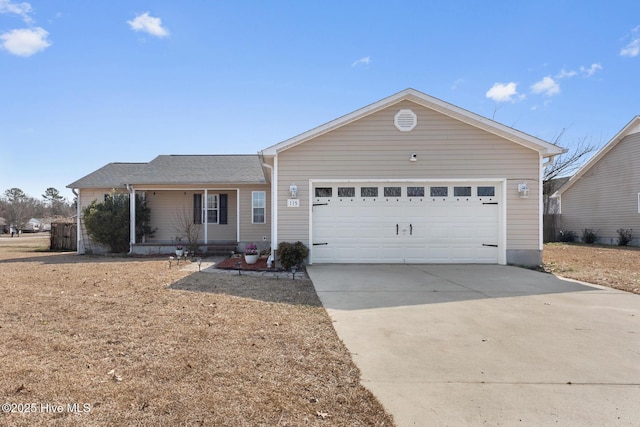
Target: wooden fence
x=551 y=227
x=64 y=236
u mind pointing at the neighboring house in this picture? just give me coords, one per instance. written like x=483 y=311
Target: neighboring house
x=604 y=195
x=408 y=179
x=34 y=225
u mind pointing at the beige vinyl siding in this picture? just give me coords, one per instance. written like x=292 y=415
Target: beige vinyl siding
x=605 y=198
x=372 y=148
x=254 y=232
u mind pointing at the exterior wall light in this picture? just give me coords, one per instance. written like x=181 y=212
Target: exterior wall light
x=293 y=189
x=523 y=190
x=413 y=157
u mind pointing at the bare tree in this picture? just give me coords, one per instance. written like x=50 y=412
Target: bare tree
x=187 y=228
x=563 y=166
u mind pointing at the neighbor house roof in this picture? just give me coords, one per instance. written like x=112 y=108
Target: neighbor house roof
x=544 y=148
x=632 y=127
x=177 y=170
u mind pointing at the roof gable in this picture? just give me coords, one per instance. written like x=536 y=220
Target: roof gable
x=544 y=148
x=631 y=128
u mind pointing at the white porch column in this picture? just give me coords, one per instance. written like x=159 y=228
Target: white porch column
x=238 y=215
x=79 y=240
x=274 y=206
x=205 y=221
x=132 y=218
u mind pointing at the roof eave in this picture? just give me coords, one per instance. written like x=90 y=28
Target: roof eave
x=631 y=127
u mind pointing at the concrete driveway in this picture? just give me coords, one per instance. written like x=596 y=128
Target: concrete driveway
x=450 y=345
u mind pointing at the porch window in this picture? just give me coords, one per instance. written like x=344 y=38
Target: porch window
x=258 y=207
x=212 y=208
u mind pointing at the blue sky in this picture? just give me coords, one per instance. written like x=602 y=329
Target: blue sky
x=85 y=83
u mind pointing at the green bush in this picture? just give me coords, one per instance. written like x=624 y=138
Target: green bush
x=624 y=236
x=567 y=236
x=290 y=254
x=589 y=236
x=108 y=222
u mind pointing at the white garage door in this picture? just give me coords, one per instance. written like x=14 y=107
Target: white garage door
x=405 y=222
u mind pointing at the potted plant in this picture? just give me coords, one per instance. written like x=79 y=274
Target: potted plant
x=179 y=248
x=251 y=253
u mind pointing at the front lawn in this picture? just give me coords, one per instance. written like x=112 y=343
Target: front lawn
x=132 y=342
x=613 y=266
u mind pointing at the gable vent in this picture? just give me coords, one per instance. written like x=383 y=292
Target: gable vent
x=405 y=120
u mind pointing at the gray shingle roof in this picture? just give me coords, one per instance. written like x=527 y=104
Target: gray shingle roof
x=177 y=169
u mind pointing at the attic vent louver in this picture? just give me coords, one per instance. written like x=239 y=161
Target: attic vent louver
x=405 y=120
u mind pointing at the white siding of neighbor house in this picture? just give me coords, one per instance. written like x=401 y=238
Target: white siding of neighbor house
x=605 y=198
x=373 y=148
x=169 y=204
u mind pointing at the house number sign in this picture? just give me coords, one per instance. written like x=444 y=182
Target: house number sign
x=293 y=203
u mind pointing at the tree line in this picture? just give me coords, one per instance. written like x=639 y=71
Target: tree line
x=17 y=208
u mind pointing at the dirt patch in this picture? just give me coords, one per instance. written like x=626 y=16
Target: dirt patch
x=613 y=266
x=132 y=342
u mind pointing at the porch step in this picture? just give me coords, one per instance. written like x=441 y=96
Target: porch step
x=221 y=248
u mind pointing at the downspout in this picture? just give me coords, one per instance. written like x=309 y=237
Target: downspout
x=79 y=242
x=132 y=217
x=274 y=214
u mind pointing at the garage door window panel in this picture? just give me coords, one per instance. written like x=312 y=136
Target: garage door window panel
x=461 y=191
x=392 y=191
x=324 y=191
x=346 y=191
x=415 y=191
x=486 y=191
x=369 y=192
x=439 y=191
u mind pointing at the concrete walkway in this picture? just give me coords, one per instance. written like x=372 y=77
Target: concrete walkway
x=461 y=345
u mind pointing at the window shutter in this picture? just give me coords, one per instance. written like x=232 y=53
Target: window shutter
x=223 y=209
x=197 y=208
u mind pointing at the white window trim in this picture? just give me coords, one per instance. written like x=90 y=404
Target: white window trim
x=638 y=202
x=206 y=209
x=253 y=207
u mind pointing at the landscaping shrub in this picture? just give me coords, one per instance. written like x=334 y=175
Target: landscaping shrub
x=589 y=236
x=108 y=222
x=290 y=254
x=568 y=236
x=624 y=236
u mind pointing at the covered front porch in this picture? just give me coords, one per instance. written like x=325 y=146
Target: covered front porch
x=207 y=220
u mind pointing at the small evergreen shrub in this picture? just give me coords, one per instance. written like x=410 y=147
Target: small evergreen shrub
x=290 y=254
x=589 y=236
x=568 y=236
x=624 y=236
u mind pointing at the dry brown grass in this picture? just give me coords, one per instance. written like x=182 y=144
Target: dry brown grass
x=142 y=344
x=613 y=266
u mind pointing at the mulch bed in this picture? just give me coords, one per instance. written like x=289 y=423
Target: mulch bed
x=232 y=264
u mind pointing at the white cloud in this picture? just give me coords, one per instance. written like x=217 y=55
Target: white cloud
x=457 y=84
x=21 y=9
x=588 y=72
x=364 y=61
x=148 y=24
x=501 y=92
x=564 y=74
x=632 y=49
x=547 y=86
x=26 y=41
